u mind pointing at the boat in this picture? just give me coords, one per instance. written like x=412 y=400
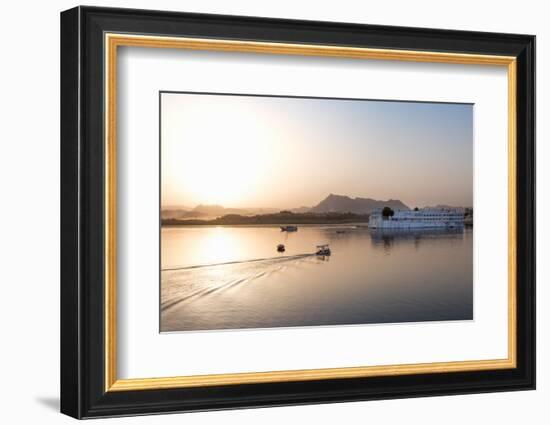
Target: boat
x=323 y=250
x=289 y=228
x=280 y=248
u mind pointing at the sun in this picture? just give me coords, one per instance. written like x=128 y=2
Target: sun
x=222 y=160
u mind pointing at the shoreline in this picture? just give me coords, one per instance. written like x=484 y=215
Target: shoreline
x=361 y=224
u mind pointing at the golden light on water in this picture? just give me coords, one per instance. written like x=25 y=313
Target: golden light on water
x=217 y=247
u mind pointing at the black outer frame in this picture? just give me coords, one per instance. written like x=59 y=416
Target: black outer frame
x=82 y=207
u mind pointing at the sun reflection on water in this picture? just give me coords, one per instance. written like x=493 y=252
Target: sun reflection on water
x=218 y=246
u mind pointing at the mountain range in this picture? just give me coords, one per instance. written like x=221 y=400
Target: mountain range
x=331 y=204
x=210 y=211
x=341 y=203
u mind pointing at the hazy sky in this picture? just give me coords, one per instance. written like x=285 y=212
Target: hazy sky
x=247 y=151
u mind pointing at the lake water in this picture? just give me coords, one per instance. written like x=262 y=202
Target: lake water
x=233 y=277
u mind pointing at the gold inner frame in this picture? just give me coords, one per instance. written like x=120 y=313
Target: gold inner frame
x=113 y=41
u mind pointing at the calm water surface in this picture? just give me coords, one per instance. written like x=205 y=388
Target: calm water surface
x=233 y=277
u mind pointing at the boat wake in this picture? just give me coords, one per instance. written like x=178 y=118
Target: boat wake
x=286 y=257
x=182 y=284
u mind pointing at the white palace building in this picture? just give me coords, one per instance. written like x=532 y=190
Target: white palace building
x=422 y=218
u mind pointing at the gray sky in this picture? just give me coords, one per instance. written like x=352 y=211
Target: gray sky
x=248 y=151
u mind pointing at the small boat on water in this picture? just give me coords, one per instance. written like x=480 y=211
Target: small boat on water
x=323 y=250
x=289 y=228
x=280 y=248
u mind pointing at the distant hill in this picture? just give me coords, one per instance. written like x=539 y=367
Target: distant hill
x=301 y=210
x=210 y=211
x=441 y=206
x=219 y=211
x=331 y=204
x=343 y=204
x=180 y=213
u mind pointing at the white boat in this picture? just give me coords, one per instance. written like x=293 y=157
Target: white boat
x=323 y=250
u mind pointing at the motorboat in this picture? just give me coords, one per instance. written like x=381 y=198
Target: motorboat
x=323 y=250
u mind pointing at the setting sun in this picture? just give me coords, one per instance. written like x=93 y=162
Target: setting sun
x=242 y=151
x=224 y=153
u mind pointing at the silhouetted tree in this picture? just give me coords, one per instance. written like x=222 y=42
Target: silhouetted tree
x=387 y=212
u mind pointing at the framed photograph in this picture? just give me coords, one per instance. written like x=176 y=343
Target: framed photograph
x=261 y=212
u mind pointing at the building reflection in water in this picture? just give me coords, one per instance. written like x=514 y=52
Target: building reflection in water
x=387 y=238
